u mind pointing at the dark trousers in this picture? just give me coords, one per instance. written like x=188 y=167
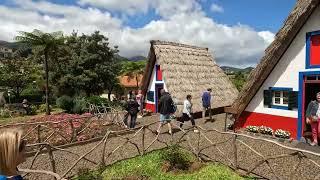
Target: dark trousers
x=133 y=120
x=185 y=117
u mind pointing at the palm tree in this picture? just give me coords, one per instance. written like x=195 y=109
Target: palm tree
x=134 y=70
x=46 y=44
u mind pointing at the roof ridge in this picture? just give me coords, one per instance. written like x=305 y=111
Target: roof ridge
x=159 y=42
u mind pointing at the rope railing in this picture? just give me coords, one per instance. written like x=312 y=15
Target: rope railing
x=210 y=145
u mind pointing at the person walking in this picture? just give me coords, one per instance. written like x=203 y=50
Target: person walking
x=140 y=100
x=166 y=109
x=133 y=109
x=312 y=118
x=12 y=153
x=187 y=113
x=206 y=102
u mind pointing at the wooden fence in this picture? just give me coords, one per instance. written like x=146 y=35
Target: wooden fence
x=251 y=156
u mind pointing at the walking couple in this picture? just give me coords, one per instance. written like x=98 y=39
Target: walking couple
x=167 y=108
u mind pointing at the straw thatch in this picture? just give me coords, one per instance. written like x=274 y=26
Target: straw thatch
x=295 y=21
x=189 y=70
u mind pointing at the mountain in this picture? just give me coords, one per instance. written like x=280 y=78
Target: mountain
x=11 y=45
x=233 y=70
x=137 y=58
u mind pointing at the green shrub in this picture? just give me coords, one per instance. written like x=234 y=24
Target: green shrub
x=176 y=157
x=66 y=103
x=96 y=100
x=43 y=107
x=4 y=113
x=79 y=106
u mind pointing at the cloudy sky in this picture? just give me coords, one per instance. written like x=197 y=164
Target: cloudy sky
x=235 y=31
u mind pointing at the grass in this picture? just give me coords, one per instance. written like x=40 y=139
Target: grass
x=150 y=165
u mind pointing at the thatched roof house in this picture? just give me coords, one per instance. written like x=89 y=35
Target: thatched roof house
x=185 y=70
x=279 y=89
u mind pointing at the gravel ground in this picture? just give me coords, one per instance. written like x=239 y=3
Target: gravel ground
x=246 y=158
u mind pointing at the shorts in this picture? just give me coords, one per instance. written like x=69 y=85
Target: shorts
x=165 y=117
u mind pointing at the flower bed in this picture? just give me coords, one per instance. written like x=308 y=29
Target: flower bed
x=253 y=129
x=268 y=131
x=265 y=130
x=86 y=126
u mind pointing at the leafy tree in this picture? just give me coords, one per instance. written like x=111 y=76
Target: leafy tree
x=86 y=64
x=133 y=69
x=45 y=44
x=17 y=74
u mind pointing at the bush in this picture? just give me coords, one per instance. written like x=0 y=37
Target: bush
x=96 y=100
x=176 y=157
x=43 y=108
x=66 y=103
x=79 y=106
x=4 y=113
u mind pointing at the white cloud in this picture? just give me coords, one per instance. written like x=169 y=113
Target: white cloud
x=128 y=6
x=216 y=8
x=186 y=23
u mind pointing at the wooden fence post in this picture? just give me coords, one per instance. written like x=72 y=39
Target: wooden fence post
x=73 y=131
x=225 y=122
x=235 y=152
x=39 y=134
x=53 y=163
x=143 y=136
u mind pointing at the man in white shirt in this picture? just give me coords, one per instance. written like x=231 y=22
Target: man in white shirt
x=187 y=113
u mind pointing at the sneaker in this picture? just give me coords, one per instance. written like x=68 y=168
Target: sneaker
x=196 y=131
x=170 y=132
x=314 y=143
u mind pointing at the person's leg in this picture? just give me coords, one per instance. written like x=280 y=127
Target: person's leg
x=210 y=113
x=133 y=120
x=182 y=119
x=192 y=121
x=314 y=128
x=169 y=127
x=203 y=112
x=160 y=123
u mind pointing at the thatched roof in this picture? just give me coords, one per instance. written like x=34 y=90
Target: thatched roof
x=295 y=21
x=189 y=70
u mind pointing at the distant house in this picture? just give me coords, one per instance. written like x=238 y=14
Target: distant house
x=287 y=77
x=5 y=52
x=130 y=84
x=182 y=69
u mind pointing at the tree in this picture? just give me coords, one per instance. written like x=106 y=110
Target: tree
x=17 y=73
x=45 y=44
x=86 y=65
x=133 y=69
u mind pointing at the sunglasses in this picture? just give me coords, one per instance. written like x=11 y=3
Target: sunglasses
x=22 y=145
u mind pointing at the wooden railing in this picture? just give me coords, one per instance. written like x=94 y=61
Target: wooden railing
x=250 y=156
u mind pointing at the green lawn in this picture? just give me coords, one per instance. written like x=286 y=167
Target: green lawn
x=150 y=165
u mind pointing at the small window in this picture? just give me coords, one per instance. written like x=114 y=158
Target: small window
x=280 y=98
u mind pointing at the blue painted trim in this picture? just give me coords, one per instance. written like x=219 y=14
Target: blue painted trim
x=156 y=71
x=308 y=41
x=299 y=128
x=280 y=89
x=300 y=93
x=280 y=107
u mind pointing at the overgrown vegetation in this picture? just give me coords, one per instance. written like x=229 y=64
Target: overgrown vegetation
x=152 y=166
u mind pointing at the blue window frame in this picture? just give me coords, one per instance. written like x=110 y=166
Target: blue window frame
x=280 y=97
x=308 y=48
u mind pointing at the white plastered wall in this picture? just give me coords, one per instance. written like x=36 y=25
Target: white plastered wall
x=153 y=82
x=286 y=72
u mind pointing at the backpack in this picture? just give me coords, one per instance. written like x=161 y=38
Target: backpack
x=173 y=107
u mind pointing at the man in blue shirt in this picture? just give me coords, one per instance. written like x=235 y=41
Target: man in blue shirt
x=206 y=102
